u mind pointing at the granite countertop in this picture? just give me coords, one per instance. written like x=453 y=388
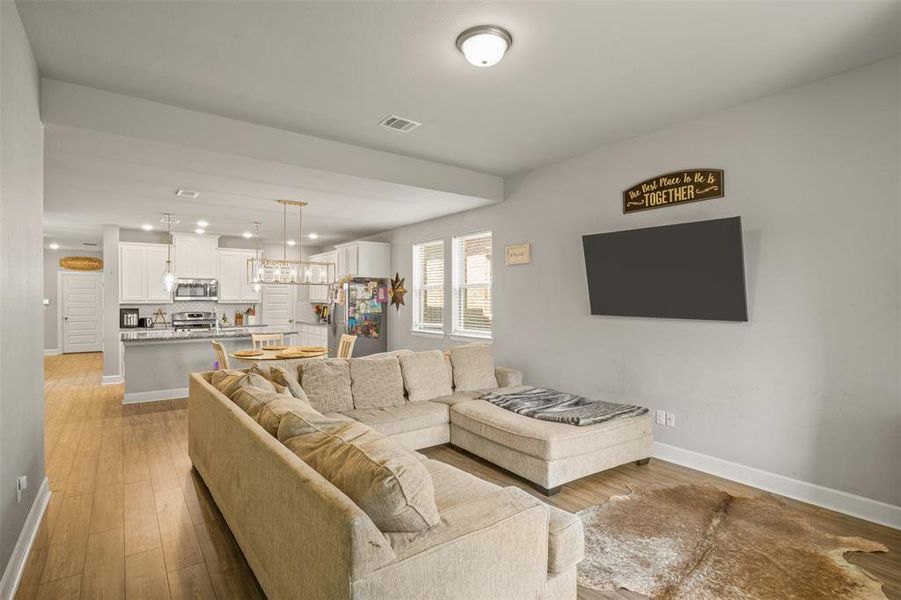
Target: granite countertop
x=158 y=335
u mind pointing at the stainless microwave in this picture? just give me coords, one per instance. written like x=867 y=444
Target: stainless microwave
x=188 y=290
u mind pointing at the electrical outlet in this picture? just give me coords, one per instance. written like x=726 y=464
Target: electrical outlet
x=661 y=417
x=21 y=486
x=670 y=420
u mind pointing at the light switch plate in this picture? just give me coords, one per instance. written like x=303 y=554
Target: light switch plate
x=661 y=417
x=670 y=420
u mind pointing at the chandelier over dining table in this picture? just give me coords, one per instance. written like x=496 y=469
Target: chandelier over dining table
x=263 y=270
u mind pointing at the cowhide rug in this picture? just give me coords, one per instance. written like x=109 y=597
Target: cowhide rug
x=694 y=542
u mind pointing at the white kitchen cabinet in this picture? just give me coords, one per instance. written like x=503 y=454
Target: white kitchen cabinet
x=312 y=335
x=320 y=293
x=141 y=269
x=232 y=275
x=364 y=259
x=195 y=256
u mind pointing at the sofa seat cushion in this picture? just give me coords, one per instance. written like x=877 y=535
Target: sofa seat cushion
x=326 y=383
x=566 y=540
x=388 y=482
x=455 y=398
x=473 y=367
x=543 y=439
x=392 y=420
x=376 y=382
x=425 y=375
x=454 y=486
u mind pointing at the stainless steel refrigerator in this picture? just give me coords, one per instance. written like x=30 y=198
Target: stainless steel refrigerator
x=360 y=309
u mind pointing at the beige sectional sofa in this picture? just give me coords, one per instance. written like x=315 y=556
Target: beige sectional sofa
x=300 y=527
x=305 y=538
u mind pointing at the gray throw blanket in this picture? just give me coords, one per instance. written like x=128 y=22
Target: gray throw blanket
x=561 y=407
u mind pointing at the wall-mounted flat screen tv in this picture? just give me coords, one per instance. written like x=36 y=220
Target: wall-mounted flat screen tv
x=686 y=271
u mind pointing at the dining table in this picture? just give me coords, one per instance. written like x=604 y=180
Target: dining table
x=270 y=358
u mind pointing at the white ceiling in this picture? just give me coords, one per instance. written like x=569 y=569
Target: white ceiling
x=579 y=74
x=93 y=178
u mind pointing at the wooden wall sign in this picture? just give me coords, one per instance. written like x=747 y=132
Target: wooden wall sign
x=677 y=187
x=519 y=254
x=81 y=263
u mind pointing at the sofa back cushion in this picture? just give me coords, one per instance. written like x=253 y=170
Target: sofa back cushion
x=327 y=384
x=473 y=367
x=425 y=375
x=228 y=381
x=388 y=482
x=265 y=407
x=376 y=382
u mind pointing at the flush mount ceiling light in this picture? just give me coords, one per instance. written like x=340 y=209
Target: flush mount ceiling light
x=246 y=235
x=200 y=231
x=202 y=223
x=484 y=45
x=291 y=242
x=313 y=236
x=191 y=194
x=54 y=246
x=147 y=227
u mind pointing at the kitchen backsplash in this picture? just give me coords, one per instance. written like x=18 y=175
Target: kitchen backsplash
x=149 y=310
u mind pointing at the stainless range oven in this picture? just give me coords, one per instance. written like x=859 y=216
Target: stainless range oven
x=197 y=290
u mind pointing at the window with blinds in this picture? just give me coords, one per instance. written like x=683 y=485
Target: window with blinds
x=428 y=286
x=472 y=284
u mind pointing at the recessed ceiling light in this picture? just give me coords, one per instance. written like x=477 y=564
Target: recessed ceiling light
x=247 y=235
x=199 y=231
x=147 y=227
x=202 y=223
x=313 y=236
x=484 y=45
x=291 y=242
x=54 y=246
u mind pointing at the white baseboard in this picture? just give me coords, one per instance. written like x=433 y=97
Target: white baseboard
x=112 y=379
x=16 y=565
x=155 y=395
x=51 y=351
x=818 y=495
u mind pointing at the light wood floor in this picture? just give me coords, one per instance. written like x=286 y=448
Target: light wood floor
x=129 y=518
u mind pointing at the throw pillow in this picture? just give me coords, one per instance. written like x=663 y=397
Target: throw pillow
x=425 y=375
x=228 y=381
x=388 y=482
x=473 y=367
x=376 y=382
x=327 y=384
x=283 y=377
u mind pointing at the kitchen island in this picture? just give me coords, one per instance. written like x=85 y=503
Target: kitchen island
x=156 y=363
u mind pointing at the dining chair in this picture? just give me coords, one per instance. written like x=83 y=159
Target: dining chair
x=346 y=345
x=261 y=340
x=221 y=355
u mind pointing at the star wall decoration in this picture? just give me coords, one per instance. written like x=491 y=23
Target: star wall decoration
x=397 y=291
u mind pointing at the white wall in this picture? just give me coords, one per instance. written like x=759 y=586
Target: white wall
x=808 y=388
x=21 y=279
x=51 y=313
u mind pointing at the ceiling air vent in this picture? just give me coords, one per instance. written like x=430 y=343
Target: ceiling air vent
x=91 y=244
x=399 y=123
x=187 y=194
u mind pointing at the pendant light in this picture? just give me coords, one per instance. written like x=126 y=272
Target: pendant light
x=257 y=276
x=286 y=271
x=168 y=279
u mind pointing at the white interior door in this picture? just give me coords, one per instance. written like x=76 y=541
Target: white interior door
x=81 y=295
x=278 y=305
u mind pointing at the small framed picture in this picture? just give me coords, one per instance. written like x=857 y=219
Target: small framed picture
x=519 y=254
